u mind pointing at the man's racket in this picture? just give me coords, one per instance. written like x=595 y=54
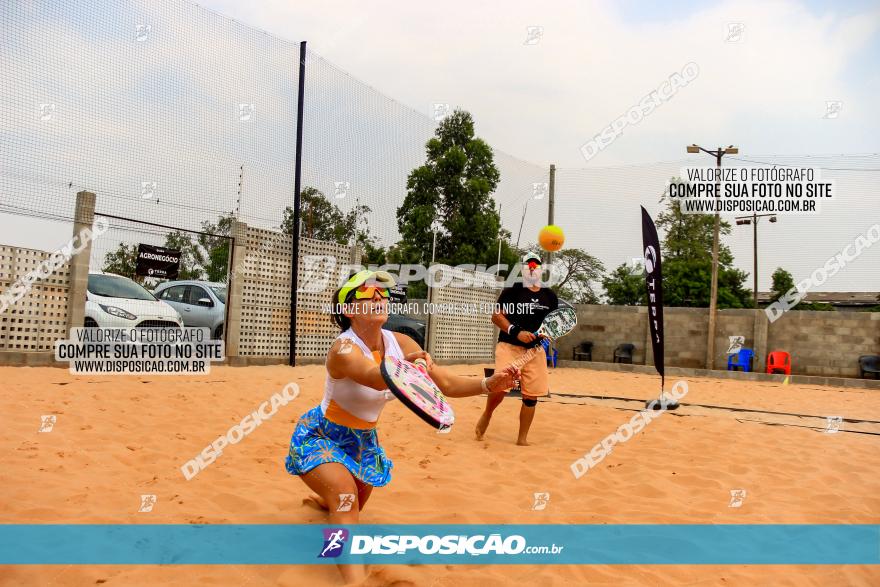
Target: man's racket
x=559 y=322
x=556 y=324
x=418 y=392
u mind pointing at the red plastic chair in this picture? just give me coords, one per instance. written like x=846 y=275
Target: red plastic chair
x=779 y=362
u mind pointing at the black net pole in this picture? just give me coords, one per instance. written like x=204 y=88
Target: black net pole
x=294 y=263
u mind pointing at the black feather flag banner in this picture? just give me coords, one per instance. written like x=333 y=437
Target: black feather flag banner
x=654 y=282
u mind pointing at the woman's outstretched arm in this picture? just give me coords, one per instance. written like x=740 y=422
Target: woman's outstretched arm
x=455 y=385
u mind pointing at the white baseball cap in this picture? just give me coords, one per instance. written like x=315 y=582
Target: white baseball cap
x=531 y=256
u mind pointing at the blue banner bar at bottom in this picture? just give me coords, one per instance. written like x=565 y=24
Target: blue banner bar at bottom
x=271 y=544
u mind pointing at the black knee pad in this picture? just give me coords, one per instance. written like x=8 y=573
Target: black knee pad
x=530 y=403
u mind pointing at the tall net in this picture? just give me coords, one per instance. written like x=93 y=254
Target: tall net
x=169 y=113
x=599 y=208
x=359 y=147
x=183 y=124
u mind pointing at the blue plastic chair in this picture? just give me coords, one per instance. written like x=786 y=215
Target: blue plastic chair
x=551 y=360
x=741 y=361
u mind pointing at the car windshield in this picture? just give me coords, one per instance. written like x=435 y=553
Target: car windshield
x=220 y=292
x=115 y=286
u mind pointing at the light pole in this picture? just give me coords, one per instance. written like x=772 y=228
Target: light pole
x=434 y=243
x=753 y=220
x=551 y=205
x=500 y=228
x=713 y=299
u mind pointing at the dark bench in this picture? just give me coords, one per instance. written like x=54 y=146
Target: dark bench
x=583 y=351
x=624 y=353
x=870 y=364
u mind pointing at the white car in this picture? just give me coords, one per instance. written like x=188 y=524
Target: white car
x=113 y=301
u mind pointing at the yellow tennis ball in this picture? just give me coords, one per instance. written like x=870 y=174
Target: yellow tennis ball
x=551 y=238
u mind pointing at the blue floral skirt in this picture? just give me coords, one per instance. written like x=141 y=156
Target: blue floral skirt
x=316 y=440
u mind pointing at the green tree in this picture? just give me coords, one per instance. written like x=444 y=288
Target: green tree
x=122 y=261
x=687 y=261
x=215 y=249
x=355 y=227
x=192 y=258
x=688 y=282
x=579 y=272
x=687 y=265
x=689 y=236
x=374 y=254
x=511 y=256
x=202 y=256
x=323 y=220
x=624 y=287
x=783 y=282
x=451 y=193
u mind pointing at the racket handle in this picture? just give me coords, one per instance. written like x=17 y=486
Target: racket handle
x=422 y=365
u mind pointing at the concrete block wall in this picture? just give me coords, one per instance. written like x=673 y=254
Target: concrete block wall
x=685 y=336
x=39 y=318
x=826 y=343
x=259 y=299
x=457 y=336
x=607 y=327
x=53 y=304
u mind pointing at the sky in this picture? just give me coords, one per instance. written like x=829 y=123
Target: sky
x=766 y=92
x=540 y=80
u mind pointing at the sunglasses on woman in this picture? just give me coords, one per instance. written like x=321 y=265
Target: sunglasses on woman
x=366 y=292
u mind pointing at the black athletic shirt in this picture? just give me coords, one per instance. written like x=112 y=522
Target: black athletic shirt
x=527 y=309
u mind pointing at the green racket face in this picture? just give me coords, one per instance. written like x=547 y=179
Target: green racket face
x=559 y=322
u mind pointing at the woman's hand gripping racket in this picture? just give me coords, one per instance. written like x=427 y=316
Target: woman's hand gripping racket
x=412 y=385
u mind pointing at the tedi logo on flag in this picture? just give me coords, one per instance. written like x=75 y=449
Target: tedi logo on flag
x=650 y=259
x=334 y=541
x=654 y=284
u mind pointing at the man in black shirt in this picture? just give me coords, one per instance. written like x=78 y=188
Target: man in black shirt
x=521 y=310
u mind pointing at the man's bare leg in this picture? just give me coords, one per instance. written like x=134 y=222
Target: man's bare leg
x=526 y=415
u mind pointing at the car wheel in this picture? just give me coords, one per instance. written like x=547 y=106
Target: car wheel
x=90 y=323
x=218 y=332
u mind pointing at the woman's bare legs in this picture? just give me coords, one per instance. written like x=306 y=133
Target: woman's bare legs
x=332 y=482
x=363 y=493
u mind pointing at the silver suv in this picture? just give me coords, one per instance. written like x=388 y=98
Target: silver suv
x=200 y=303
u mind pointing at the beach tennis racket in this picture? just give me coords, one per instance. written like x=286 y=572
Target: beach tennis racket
x=559 y=322
x=556 y=324
x=418 y=392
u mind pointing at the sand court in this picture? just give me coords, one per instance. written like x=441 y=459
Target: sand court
x=116 y=439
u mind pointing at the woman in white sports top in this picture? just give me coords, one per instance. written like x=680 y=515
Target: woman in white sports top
x=335 y=449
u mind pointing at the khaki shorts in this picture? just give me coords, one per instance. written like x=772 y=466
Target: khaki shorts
x=535 y=381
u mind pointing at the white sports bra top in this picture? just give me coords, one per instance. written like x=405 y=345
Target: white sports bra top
x=351 y=404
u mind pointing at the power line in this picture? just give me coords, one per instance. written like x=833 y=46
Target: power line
x=822 y=168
